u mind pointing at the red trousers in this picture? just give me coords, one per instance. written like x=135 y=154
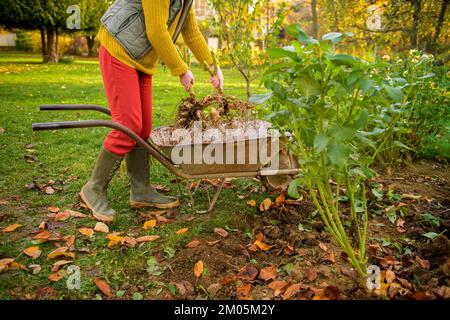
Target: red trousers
x=129 y=95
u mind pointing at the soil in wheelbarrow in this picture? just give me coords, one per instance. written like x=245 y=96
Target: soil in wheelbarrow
x=296 y=259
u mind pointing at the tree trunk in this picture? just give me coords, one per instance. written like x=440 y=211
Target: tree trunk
x=439 y=23
x=416 y=20
x=248 y=90
x=336 y=16
x=90 y=43
x=43 y=45
x=51 y=54
x=315 y=26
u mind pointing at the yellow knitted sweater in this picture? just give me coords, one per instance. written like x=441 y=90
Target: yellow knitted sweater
x=156 y=14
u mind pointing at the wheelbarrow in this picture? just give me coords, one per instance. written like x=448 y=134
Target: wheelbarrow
x=276 y=179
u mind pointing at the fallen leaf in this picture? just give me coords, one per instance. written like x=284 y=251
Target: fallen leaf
x=193 y=244
x=260 y=236
x=101 y=227
x=163 y=220
x=76 y=214
x=149 y=224
x=104 y=287
x=182 y=231
x=49 y=190
x=251 y=203
x=62 y=216
x=55 y=277
x=247 y=273
x=60 y=263
x=421 y=295
x=5 y=263
x=43 y=225
x=88 y=232
x=410 y=196
x=277 y=286
x=46 y=292
x=268 y=273
x=330 y=257
x=221 y=232
x=212 y=243
x=12 y=227
x=332 y=292
x=243 y=291
x=147 y=239
x=291 y=291
x=401 y=225
x=130 y=241
x=198 y=268
x=443 y=292
x=323 y=247
x=44 y=235
x=115 y=239
x=389 y=276
x=265 y=205
x=311 y=274
x=53 y=209
x=262 y=246
x=35 y=268
x=405 y=283
x=33 y=252
x=280 y=199
x=61 y=251
x=425 y=264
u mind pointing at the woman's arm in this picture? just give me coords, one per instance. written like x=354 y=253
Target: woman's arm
x=195 y=40
x=156 y=14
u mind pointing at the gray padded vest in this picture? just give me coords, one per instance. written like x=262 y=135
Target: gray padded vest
x=125 y=21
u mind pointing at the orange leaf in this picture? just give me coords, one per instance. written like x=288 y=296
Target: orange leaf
x=55 y=277
x=247 y=273
x=280 y=199
x=401 y=226
x=101 y=227
x=76 y=214
x=323 y=246
x=198 y=268
x=147 y=238
x=262 y=246
x=53 y=209
x=62 y=216
x=268 y=273
x=251 y=203
x=43 y=225
x=243 y=291
x=193 y=244
x=131 y=241
x=70 y=240
x=213 y=243
x=44 y=235
x=149 y=224
x=88 y=232
x=389 y=276
x=260 y=236
x=12 y=227
x=61 y=251
x=265 y=205
x=182 y=231
x=33 y=252
x=104 y=287
x=291 y=291
x=277 y=287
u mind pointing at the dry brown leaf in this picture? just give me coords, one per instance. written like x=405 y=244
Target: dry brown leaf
x=70 y=240
x=330 y=257
x=198 y=268
x=44 y=235
x=280 y=199
x=311 y=274
x=130 y=241
x=60 y=252
x=332 y=292
x=251 y=203
x=425 y=264
x=12 y=227
x=33 y=252
x=221 y=232
x=193 y=244
x=182 y=231
x=104 y=287
x=268 y=273
x=389 y=276
x=291 y=291
x=247 y=273
x=262 y=246
x=150 y=224
x=60 y=263
x=323 y=246
x=76 y=214
x=88 y=232
x=43 y=225
x=101 y=227
x=401 y=225
x=53 y=209
x=213 y=243
x=265 y=205
x=243 y=291
x=5 y=264
x=147 y=239
x=62 y=216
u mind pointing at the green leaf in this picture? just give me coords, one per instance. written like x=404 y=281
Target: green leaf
x=338 y=153
x=293 y=189
x=342 y=133
x=288 y=268
x=395 y=93
x=343 y=59
x=279 y=53
x=402 y=145
x=294 y=30
x=362 y=120
x=307 y=86
x=336 y=37
x=321 y=142
x=172 y=288
x=431 y=235
x=137 y=296
x=120 y=293
x=260 y=98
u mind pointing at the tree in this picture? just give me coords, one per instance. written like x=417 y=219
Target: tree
x=91 y=13
x=241 y=25
x=47 y=16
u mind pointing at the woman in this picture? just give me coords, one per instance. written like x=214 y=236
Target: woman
x=134 y=35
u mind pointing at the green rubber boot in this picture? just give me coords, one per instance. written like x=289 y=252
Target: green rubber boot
x=142 y=193
x=94 y=192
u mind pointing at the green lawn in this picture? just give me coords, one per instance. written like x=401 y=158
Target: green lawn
x=67 y=157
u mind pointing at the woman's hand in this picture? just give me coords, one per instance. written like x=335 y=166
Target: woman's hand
x=217 y=80
x=187 y=80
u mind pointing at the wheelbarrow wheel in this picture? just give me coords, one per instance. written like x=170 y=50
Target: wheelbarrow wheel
x=281 y=182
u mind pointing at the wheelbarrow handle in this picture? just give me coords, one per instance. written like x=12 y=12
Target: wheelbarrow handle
x=80 y=107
